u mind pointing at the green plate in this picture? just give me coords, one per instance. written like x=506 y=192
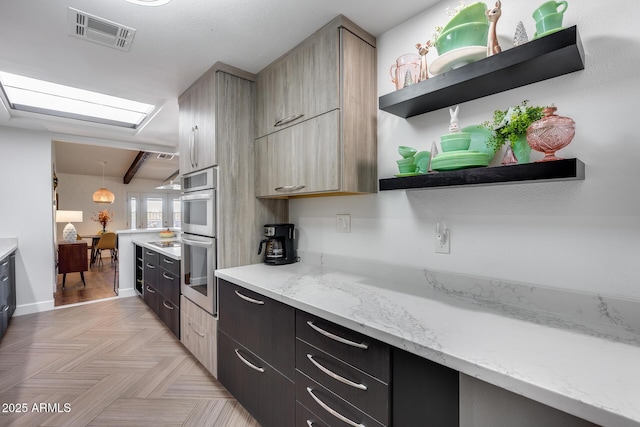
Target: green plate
x=459 y=160
x=401 y=175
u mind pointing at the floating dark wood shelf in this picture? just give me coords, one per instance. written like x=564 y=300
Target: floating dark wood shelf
x=559 y=170
x=541 y=59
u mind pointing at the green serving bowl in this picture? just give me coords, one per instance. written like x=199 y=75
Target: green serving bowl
x=469 y=34
x=473 y=13
x=456 y=143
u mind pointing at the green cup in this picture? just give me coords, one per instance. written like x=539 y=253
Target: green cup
x=549 y=8
x=550 y=22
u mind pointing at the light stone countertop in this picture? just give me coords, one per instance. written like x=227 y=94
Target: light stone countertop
x=7 y=245
x=575 y=352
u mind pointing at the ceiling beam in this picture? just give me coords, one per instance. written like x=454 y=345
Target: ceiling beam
x=135 y=166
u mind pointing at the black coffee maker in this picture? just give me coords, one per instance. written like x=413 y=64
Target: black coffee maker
x=278 y=245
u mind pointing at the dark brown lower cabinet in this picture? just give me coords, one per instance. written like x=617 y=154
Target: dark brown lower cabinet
x=161 y=287
x=425 y=393
x=335 y=410
x=263 y=391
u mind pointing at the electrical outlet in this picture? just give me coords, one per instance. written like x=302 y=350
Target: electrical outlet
x=443 y=240
x=343 y=223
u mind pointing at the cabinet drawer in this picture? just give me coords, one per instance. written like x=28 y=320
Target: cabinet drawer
x=169 y=285
x=172 y=265
x=169 y=313
x=356 y=387
x=4 y=267
x=263 y=325
x=150 y=256
x=151 y=297
x=150 y=273
x=198 y=333
x=263 y=391
x=331 y=408
x=361 y=351
x=305 y=417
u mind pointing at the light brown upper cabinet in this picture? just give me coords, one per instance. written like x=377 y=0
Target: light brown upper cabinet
x=196 y=125
x=316 y=116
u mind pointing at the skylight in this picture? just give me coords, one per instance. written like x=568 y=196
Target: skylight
x=38 y=96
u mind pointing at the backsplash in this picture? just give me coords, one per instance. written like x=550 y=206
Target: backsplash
x=603 y=316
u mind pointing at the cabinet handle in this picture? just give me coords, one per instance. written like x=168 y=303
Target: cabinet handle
x=290 y=188
x=309 y=423
x=4 y=264
x=287 y=120
x=332 y=411
x=5 y=308
x=336 y=376
x=169 y=307
x=5 y=278
x=151 y=266
x=139 y=280
x=150 y=253
x=193 y=157
x=251 y=300
x=246 y=362
x=167 y=277
x=151 y=291
x=194 y=330
x=335 y=337
x=168 y=261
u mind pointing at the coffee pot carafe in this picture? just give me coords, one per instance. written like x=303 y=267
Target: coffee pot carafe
x=278 y=244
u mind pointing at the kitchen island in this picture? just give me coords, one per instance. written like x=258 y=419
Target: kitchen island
x=571 y=351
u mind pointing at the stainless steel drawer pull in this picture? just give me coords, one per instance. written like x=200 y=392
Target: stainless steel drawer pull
x=166 y=276
x=150 y=253
x=5 y=308
x=337 y=338
x=169 y=307
x=335 y=376
x=286 y=120
x=138 y=280
x=151 y=266
x=194 y=330
x=251 y=300
x=4 y=264
x=246 y=362
x=168 y=261
x=289 y=188
x=151 y=291
x=333 y=411
x=310 y=423
x=5 y=278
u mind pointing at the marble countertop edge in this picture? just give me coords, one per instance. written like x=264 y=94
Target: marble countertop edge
x=535 y=361
x=8 y=245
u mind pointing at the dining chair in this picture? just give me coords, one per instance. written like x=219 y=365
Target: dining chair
x=107 y=241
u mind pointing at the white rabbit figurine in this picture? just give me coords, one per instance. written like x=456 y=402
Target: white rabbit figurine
x=453 y=126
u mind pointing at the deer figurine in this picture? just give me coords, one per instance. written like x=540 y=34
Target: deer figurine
x=423 y=49
x=492 y=40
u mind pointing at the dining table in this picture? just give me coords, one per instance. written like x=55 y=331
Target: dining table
x=94 y=243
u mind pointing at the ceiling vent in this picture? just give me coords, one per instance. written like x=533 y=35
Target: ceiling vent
x=89 y=27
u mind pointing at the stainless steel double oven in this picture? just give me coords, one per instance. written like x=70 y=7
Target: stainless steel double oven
x=198 y=257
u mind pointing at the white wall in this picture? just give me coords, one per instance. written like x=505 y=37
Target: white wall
x=581 y=235
x=26 y=212
x=75 y=193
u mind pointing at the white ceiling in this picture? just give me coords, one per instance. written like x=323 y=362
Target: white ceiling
x=174 y=44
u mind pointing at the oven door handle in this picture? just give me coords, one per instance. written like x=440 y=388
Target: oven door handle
x=200 y=196
x=198 y=243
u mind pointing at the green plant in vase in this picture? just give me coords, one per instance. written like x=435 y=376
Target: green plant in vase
x=511 y=125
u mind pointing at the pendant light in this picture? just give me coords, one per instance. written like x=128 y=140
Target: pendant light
x=103 y=195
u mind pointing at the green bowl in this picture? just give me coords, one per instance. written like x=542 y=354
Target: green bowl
x=469 y=34
x=458 y=143
x=455 y=135
x=473 y=13
x=406 y=151
x=407 y=168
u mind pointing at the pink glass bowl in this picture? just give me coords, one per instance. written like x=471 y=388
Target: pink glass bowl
x=550 y=134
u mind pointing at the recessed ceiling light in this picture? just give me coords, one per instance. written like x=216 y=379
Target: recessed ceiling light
x=39 y=96
x=149 y=2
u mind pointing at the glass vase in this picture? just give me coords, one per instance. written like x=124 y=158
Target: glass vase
x=521 y=149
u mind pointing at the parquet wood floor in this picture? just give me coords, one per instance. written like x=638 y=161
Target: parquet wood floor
x=108 y=363
x=99 y=285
